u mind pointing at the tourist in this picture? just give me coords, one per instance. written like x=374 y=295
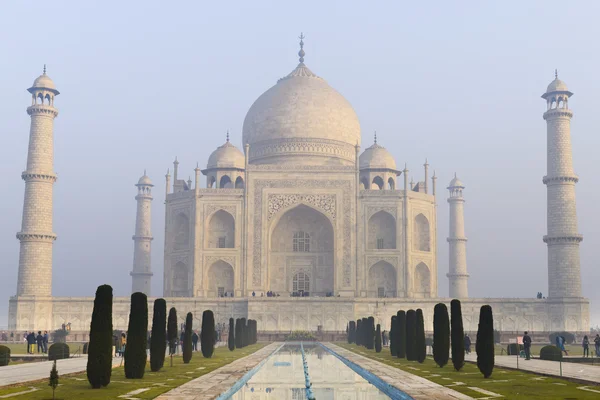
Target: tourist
x=467 y=344
x=39 y=339
x=123 y=343
x=586 y=346
x=25 y=338
x=31 y=342
x=527 y=346
x=194 y=341
x=181 y=338
x=560 y=343
x=45 y=341
x=253 y=293
x=597 y=344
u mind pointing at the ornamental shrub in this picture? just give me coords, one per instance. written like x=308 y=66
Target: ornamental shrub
x=85 y=348
x=187 y=339
x=137 y=337
x=351 y=331
x=441 y=335
x=58 y=351
x=238 y=333
x=371 y=333
x=207 y=335
x=457 y=334
x=401 y=334
x=551 y=353
x=420 y=337
x=4 y=355
x=53 y=381
x=411 y=335
x=158 y=338
x=365 y=331
x=393 y=335
x=512 y=349
x=378 y=339
x=359 y=332
x=231 y=336
x=485 y=341
x=172 y=332
x=99 y=362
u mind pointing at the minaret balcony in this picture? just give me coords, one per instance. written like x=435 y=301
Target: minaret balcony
x=558 y=113
x=563 y=239
x=560 y=179
x=42 y=109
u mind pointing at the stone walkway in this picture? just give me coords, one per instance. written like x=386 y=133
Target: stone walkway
x=211 y=385
x=27 y=372
x=585 y=372
x=415 y=386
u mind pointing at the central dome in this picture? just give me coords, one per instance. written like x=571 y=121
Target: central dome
x=301 y=120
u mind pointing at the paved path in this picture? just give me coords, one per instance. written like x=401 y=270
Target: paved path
x=584 y=372
x=417 y=387
x=21 y=373
x=211 y=385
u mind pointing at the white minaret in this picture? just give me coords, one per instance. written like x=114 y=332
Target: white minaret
x=142 y=270
x=36 y=235
x=457 y=275
x=564 y=278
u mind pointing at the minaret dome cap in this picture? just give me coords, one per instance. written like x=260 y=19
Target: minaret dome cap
x=43 y=82
x=456 y=183
x=144 y=181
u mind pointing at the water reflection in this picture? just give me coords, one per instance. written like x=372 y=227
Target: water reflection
x=282 y=378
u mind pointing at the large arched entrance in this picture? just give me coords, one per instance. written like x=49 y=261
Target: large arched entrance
x=422 y=281
x=220 y=279
x=382 y=280
x=301 y=254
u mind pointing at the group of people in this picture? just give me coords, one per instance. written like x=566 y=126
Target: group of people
x=40 y=339
x=586 y=345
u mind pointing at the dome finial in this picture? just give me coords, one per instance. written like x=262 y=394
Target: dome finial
x=301 y=53
x=375 y=139
x=556 y=74
x=44 y=69
x=227 y=135
x=144 y=171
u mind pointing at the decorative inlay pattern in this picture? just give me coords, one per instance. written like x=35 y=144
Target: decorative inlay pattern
x=374 y=209
x=210 y=260
x=348 y=210
x=210 y=208
x=323 y=147
x=275 y=167
x=372 y=260
x=278 y=202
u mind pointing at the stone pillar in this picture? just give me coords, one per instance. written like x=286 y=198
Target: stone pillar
x=142 y=269
x=457 y=275
x=564 y=277
x=36 y=235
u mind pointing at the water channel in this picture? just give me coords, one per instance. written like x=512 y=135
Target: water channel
x=282 y=377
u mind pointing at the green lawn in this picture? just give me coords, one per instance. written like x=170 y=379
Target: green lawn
x=77 y=387
x=509 y=383
x=573 y=349
x=21 y=348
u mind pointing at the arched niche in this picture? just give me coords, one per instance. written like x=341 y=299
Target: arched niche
x=181 y=232
x=422 y=281
x=422 y=235
x=382 y=280
x=225 y=182
x=239 y=183
x=221 y=279
x=180 y=279
x=221 y=231
x=377 y=183
x=381 y=231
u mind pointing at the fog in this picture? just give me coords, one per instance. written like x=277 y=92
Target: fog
x=143 y=82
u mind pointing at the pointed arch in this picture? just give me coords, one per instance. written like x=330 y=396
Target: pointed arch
x=382 y=280
x=391 y=184
x=180 y=279
x=364 y=183
x=181 y=232
x=210 y=182
x=221 y=230
x=381 y=231
x=422 y=235
x=225 y=182
x=220 y=278
x=239 y=183
x=422 y=281
x=377 y=183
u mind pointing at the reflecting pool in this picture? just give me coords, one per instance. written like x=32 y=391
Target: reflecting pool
x=282 y=377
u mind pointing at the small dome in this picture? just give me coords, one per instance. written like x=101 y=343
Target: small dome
x=145 y=180
x=43 y=82
x=376 y=157
x=456 y=182
x=557 y=86
x=226 y=156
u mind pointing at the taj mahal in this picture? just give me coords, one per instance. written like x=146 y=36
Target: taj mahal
x=299 y=228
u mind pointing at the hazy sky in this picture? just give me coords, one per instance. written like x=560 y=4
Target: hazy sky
x=456 y=82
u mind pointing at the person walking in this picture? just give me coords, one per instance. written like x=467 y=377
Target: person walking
x=560 y=343
x=194 y=341
x=586 y=346
x=45 y=342
x=597 y=345
x=30 y=342
x=181 y=337
x=527 y=346
x=39 y=339
x=122 y=344
x=467 y=344
x=26 y=339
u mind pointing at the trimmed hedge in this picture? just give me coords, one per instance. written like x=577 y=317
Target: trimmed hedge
x=401 y=334
x=99 y=362
x=371 y=333
x=137 y=337
x=511 y=349
x=393 y=335
x=158 y=339
x=441 y=335
x=378 y=339
x=58 y=351
x=207 y=335
x=457 y=335
x=187 y=338
x=420 y=337
x=485 y=341
x=550 y=353
x=4 y=355
x=172 y=331
x=411 y=333
x=231 y=336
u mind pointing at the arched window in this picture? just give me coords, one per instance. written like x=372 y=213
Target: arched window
x=301 y=282
x=377 y=183
x=422 y=281
x=225 y=182
x=181 y=232
x=180 y=280
x=301 y=242
x=221 y=230
x=239 y=183
x=391 y=184
x=364 y=183
x=422 y=237
x=382 y=231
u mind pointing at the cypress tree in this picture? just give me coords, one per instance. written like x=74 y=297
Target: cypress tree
x=365 y=331
x=238 y=333
x=411 y=343
x=158 y=340
x=99 y=363
x=401 y=334
x=485 y=341
x=458 y=335
x=358 y=332
x=244 y=329
x=371 y=333
x=207 y=336
x=172 y=332
x=441 y=334
x=187 y=338
x=231 y=337
x=137 y=337
x=351 y=331
x=420 y=341
x=393 y=341
x=378 y=339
